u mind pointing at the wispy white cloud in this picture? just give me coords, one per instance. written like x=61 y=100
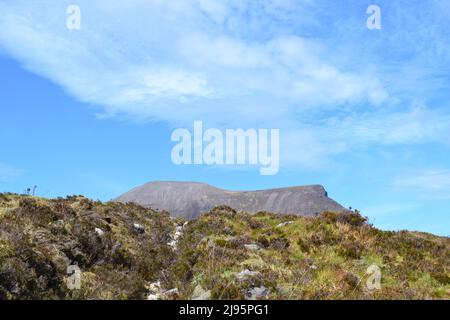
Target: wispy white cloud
x=388 y=209
x=237 y=64
x=430 y=182
x=174 y=67
x=314 y=144
x=9 y=173
x=420 y=124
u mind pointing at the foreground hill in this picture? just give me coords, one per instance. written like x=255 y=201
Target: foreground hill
x=125 y=251
x=190 y=199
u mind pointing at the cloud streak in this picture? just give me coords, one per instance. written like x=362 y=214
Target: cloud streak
x=8 y=173
x=430 y=182
x=238 y=64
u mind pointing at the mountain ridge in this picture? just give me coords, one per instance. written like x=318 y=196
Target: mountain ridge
x=190 y=199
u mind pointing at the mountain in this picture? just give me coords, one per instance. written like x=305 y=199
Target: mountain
x=190 y=199
x=125 y=251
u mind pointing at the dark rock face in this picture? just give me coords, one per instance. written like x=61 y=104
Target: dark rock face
x=190 y=199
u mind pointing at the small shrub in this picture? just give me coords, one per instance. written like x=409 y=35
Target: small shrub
x=352 y=280
x=304 y=246
x=279 y=242
x=350 y=218
x=351 y=249
x=263 y=241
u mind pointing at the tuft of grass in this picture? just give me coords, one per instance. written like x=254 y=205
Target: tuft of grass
x=321 y=257
x=40 y=238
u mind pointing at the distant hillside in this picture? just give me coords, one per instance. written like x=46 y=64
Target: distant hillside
x=190 y=199
x=125 y=251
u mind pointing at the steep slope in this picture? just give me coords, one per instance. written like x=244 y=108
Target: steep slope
x=190 y=199
x=118 y=248
x=232 y=255
x=125 y=251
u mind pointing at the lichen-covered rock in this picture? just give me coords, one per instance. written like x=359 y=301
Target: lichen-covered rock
x=200 y=293
x=257 y=293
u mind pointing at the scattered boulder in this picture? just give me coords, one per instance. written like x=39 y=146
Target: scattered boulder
x=153 y=296
x=99 y=231
x=245 y=274
x=156 y=292
x=170 y=294
x=285 y=224
x=257 y=293
x=177 y=234
x=154 y=289
x=252 y=247
x=137 y=228
x=201 y=294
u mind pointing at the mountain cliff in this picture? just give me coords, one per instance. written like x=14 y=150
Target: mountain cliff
x=190 y=199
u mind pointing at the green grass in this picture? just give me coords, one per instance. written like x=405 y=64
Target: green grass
x=321 y=257
x=324 y=257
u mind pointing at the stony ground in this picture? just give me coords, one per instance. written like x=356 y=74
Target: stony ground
x=127 y=252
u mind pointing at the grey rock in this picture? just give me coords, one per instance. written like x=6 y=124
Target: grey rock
x=257 y=293
x=170 y=294
x=99 y=232
x=190 y=199
x=201 y=294
x=252 y=247
x=153 y=296
x=138 y=228
x=245 y=274
x=154 y=291
x=284 y=224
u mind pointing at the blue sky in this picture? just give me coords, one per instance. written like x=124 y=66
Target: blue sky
x=364 y=112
